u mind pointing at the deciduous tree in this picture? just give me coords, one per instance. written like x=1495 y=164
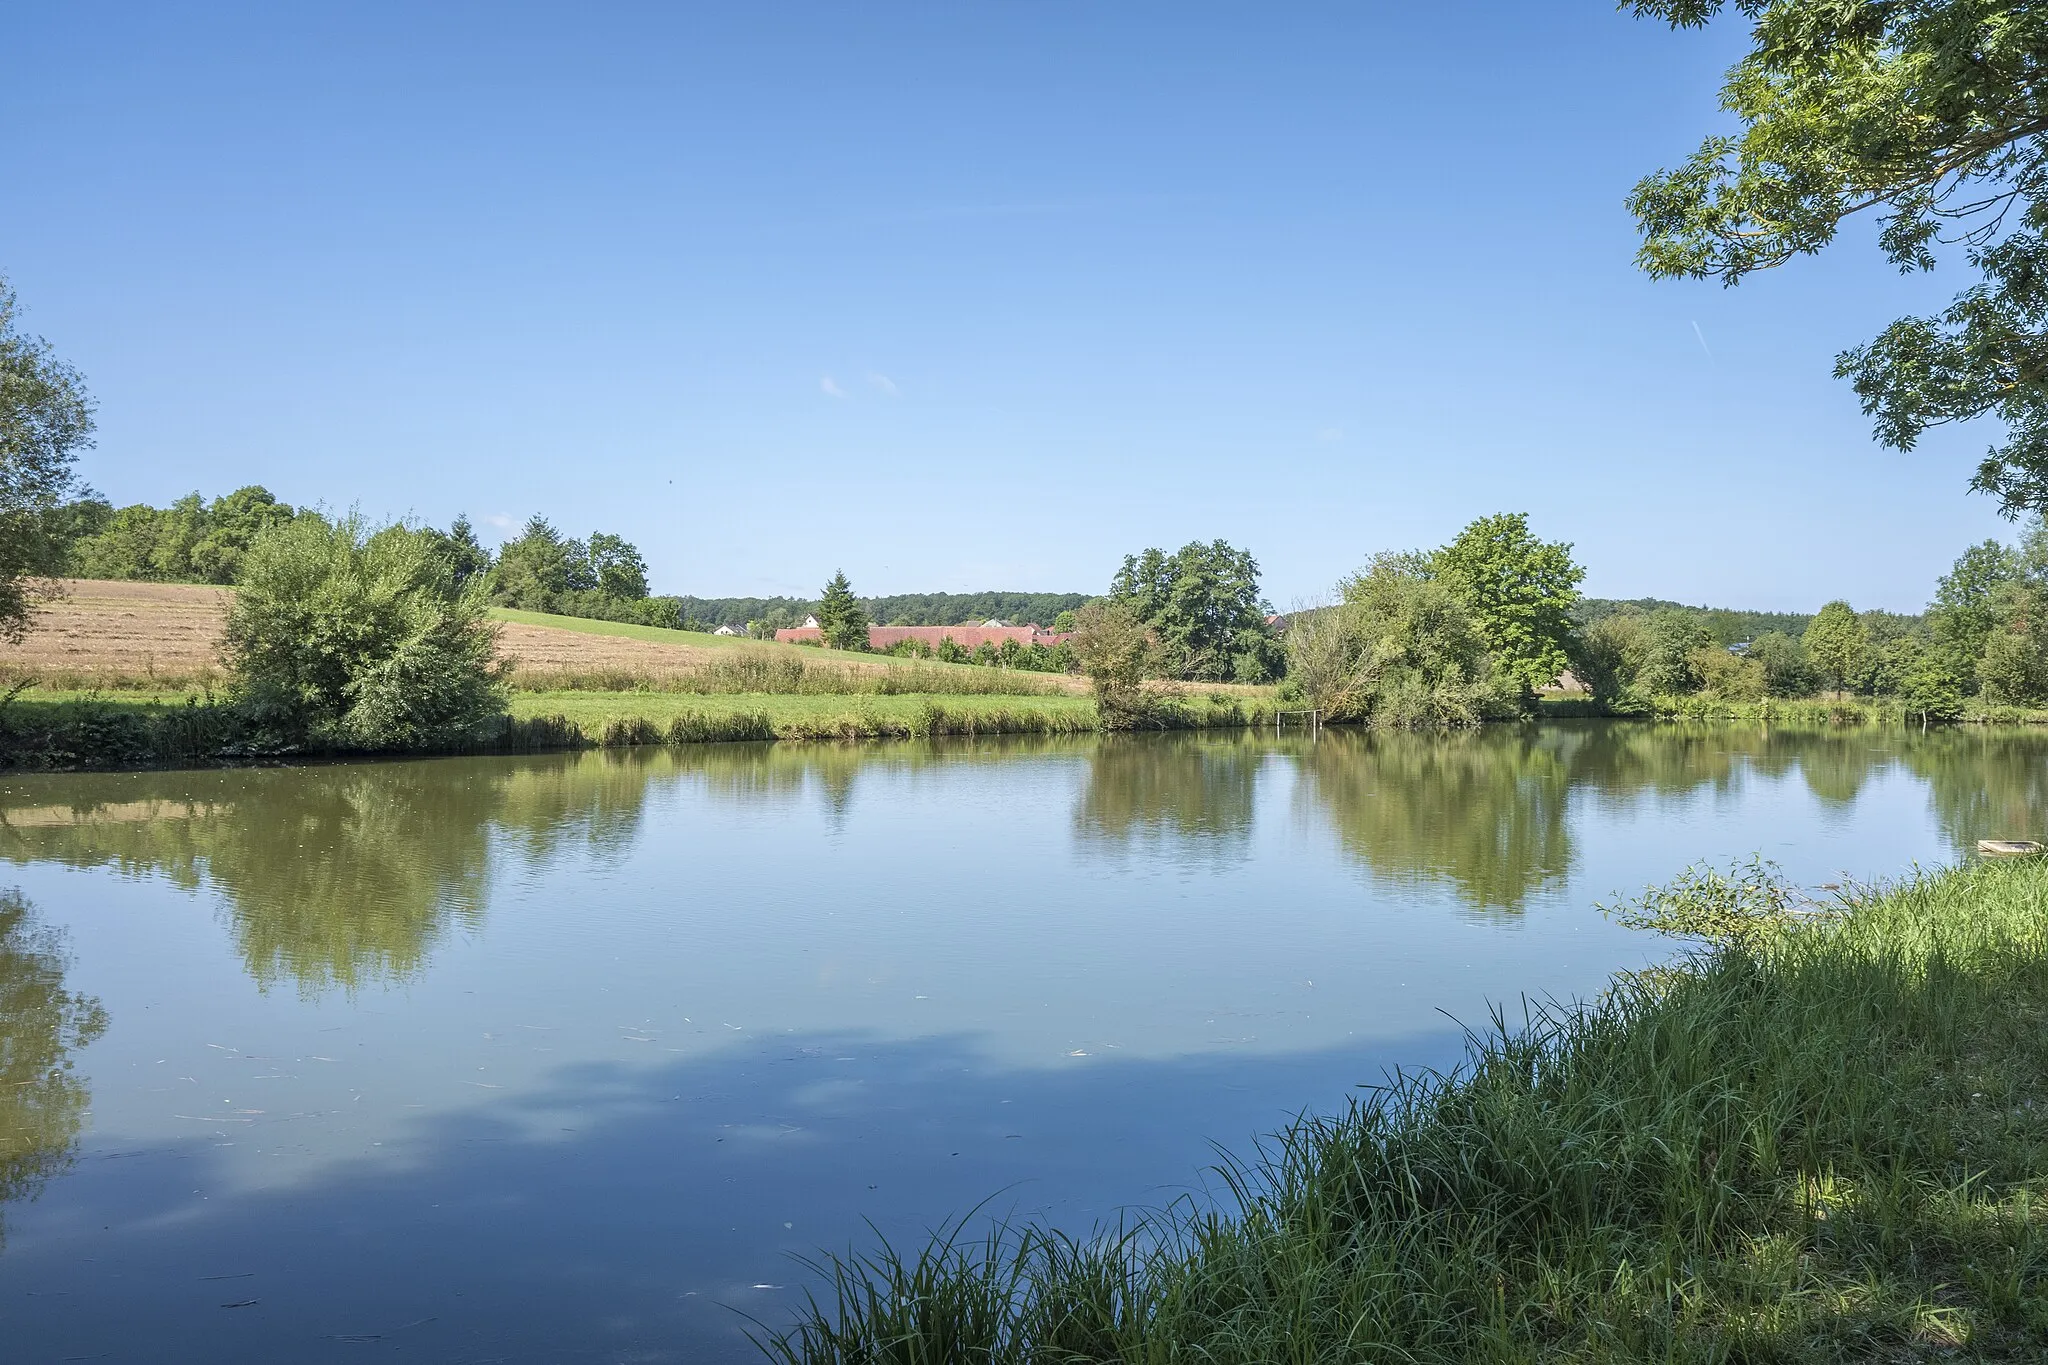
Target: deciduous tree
x=1672 y=640
x=230 y=526
x=1787 y=671
x=1932 y=688
x=1520 y=591
x=1836 y=643
x=1932 y=117
x=617 y=566
x=1202 y=605
x=1421 y=659
x=45 y=420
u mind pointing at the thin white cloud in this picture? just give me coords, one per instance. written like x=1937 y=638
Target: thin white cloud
x=499 y=520
x=1703 y=340
x=830 y=387
x=884 y=383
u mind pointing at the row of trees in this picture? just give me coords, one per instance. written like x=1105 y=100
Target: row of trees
x=1988 y=623
x=1629 y=659
x=541 y=569
x=1725 y=625
x=196 y=541
x=191 y=541
x=1984 y=636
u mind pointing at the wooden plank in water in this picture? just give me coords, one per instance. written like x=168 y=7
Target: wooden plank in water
x=2008 y=848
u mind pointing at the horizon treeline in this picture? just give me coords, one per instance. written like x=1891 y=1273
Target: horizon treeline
x=899 y=609
x=604 y=576
x=1728 y=626
x=195 y=540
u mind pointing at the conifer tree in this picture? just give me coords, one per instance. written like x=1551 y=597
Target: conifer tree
x=841 y=618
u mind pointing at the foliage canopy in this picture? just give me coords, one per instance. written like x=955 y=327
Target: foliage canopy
x=191 y=541
x=1520 y=591
x=1931 y=114
x=1202 y=605
x=45 y=420
x=1837 y=644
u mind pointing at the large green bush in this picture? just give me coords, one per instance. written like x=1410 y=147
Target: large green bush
x=1424 y=662
x=343 y=638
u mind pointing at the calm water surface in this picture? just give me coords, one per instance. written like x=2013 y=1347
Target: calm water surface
x=567 y=1057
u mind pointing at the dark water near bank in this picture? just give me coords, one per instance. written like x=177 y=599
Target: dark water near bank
x=562 y=1058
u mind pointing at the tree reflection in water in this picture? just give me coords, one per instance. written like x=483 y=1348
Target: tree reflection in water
x=1480 y=810
x=1195 y=789
x=336 y=877
x=43 y=1101
x=340 y=876
x=1486 y=812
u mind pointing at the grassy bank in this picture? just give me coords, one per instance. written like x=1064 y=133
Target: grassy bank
x=1829 y=1146
x=631 y=717
x=67 y=730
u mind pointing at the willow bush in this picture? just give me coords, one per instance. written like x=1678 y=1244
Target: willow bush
x=340 y=637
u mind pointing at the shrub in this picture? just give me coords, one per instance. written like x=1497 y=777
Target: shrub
x=1115 y=650
x=693 y=727
x=1726 y=676
x=1421 y=660
x=343 y=638
x=627 y=731
x=1786 y=670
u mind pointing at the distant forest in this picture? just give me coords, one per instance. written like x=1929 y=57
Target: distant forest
x=1727 y=626
x=904 y=609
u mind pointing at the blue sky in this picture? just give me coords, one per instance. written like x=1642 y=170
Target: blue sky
x=953 y=296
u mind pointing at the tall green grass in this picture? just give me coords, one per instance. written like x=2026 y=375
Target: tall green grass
x=928 y=721
x=1830 y=1145
x=95 y=731
x=930 y=717
x=1793 y=710
x=784 y=675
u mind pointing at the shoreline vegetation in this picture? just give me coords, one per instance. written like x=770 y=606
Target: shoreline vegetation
x=340 y=639
x=71 y=731
x=744 y=690
x=710 y=689
x=1818 y=1137
x=59 y=730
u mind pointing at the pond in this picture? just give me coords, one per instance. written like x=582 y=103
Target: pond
x=570 y=1057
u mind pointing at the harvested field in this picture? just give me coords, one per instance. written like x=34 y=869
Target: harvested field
x=101 y=634
x=550 y=649
x=153 y=636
